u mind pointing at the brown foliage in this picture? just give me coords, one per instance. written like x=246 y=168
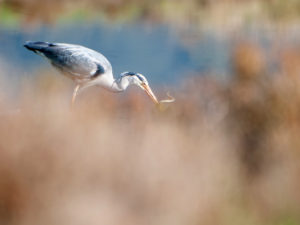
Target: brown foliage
x=221 y=154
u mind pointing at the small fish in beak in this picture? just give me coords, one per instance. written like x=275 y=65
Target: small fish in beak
x=148 y=90
x=169 y=100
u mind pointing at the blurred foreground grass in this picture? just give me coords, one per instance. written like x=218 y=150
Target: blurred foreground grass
x=221 y=154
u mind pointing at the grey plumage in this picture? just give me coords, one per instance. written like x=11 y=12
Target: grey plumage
x=78 y=62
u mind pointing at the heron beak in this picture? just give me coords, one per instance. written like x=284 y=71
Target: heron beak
x=148 y=90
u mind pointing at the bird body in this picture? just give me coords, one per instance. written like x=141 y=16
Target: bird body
x=87 y=67
x=77 y=62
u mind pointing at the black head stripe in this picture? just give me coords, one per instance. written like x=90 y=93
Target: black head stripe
x=140 y=78
x=130 y=73
x=134 y=74
x=124 y=74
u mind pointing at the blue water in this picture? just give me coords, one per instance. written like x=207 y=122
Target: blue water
x=155 y=51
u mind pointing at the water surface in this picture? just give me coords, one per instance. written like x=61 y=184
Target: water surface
x=156 y=51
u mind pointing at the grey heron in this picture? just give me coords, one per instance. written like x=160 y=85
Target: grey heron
x=88 y=67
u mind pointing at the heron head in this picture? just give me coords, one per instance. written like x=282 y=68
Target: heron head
x=140 y=81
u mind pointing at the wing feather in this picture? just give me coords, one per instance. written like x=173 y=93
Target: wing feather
x=77 y=61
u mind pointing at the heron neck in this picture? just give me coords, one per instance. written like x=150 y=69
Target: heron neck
x=120 y=84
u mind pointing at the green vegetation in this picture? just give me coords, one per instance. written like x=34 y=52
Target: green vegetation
x=214 y=13
x=8 y=17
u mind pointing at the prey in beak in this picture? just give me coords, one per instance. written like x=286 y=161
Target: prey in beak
x=148 y=90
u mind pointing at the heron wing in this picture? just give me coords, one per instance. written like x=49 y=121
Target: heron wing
x=77 y=61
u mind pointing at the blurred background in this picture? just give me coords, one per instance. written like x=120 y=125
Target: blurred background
x=226 y=152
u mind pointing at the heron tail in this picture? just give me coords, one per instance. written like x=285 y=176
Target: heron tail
x=36 y=46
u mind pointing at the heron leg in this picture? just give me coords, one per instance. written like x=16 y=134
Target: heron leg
x=75 y=93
